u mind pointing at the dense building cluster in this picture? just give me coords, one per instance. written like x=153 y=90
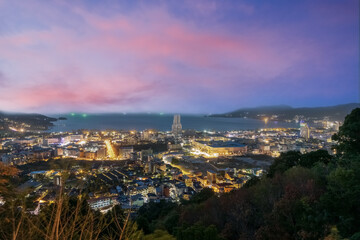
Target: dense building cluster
x=132 y=168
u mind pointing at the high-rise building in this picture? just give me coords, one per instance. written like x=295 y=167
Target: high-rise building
x=176 y=127
x=125 y=152
x=211 y=176
x=58 y=180
x=304 y=131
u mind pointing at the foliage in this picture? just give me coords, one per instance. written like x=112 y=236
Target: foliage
x=349 y=134
x=197 y=232
x=159 y=235
x=284 y=162
x=155 y=215
x=251 y=182
x=304 y=196
x=6 y=174
x=66 y=218
x=202 y=196
x=309 y=160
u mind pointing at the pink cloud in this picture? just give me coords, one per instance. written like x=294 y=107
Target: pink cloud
x=142 y=57
x=82 y=94
x=2 y=79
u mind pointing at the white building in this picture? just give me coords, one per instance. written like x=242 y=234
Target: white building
x=102 y=202
x=176 y=126
x=304 y=131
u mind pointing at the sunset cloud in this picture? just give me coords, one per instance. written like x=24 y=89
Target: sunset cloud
x=62 y=56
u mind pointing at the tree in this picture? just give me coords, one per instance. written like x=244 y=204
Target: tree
x=284 y=162
x=342 y=199
x=308 y=160
x=202 y=196
x=348 y=136
x=296 y=214
x=6 y=173
x=143 y=224
x=155 y=215
x=197 y=232
x=251 y=182
x=159 y=235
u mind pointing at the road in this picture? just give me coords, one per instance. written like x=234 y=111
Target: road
x=110 y=149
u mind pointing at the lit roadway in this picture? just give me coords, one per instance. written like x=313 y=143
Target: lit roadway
x=110 y=149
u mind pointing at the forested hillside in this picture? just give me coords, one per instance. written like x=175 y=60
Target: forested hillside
x=304 y=196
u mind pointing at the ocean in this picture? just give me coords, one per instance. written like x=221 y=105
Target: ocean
x=160 y=122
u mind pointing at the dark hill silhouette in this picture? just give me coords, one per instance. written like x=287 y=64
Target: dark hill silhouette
x=284 y=112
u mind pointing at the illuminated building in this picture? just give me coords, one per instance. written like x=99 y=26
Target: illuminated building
x=101 y=153
x=73 y=138
x=125 y=152
x=174 y=147
x=59 y=152
x=90 y=155
x=304 y=131
x=144 y=154
x=211 y=176
x=98 y=203
x=58 y=180
x=176 y=127
x=50 y=141
x=148 y=134
x=150 y=167
x=223 y=187
x=220 y=148
x=72 y=152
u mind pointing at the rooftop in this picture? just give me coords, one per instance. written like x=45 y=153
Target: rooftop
x=222 y=144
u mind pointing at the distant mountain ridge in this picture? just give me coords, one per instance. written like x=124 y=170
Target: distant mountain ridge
x=35 y=116
x=34 y=120
x=285 y=112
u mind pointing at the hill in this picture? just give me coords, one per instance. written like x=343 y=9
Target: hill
x=27 y=121
x=284 y=112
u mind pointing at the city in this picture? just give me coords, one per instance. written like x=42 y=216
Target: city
x=179 y=120
x=131 y=168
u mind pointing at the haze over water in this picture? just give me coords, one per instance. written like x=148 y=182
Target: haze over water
x=159 y=122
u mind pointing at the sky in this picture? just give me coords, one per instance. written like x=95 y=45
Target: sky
x=185 y=56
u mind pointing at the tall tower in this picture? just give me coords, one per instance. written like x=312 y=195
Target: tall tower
x=176 y=126
x=304 y=131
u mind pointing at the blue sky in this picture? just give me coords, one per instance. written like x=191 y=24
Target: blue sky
x=176 y=56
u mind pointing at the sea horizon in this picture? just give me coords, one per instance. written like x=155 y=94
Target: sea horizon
x=161 y=122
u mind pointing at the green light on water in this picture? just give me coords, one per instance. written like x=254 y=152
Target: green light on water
x=72 y=114
x=84 y=115
x=161 y=113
